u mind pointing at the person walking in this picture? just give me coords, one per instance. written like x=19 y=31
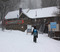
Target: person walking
x=35 y=34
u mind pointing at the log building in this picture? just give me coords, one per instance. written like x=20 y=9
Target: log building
x=41 y=18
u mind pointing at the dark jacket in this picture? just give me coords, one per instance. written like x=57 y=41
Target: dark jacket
x=35 y=33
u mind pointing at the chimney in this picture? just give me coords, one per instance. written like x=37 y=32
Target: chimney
x=20 y=11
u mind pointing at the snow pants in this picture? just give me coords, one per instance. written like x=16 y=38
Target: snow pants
x=35 y=39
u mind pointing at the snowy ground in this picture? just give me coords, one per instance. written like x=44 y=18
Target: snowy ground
x=17 y=41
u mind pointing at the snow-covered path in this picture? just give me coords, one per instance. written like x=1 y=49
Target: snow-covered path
x=17 y=41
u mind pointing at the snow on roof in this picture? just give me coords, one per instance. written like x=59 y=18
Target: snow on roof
x=13 y=14
x=34 y=13
x=41 y=13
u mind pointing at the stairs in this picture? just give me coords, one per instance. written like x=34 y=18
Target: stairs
x=41 y=29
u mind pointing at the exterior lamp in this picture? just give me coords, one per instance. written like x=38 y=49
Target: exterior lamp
x=22 y=27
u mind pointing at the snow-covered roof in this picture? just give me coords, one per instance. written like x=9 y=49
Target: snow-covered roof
x=34 y=13
x=12 y=14
x=42 y=12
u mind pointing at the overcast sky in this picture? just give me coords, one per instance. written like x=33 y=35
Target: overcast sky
x=32 y=4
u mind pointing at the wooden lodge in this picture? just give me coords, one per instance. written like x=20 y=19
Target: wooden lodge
x=41 y=18
x=17 y=23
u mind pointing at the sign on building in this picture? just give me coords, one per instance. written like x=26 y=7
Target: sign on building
x=15 y=22
x=53 y=25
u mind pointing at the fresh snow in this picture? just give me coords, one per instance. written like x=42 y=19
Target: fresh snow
x=42 y=12
x=18 y=41
x=34 y=13
x=12 y=15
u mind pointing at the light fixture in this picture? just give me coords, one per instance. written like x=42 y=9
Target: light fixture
x=22 y=27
